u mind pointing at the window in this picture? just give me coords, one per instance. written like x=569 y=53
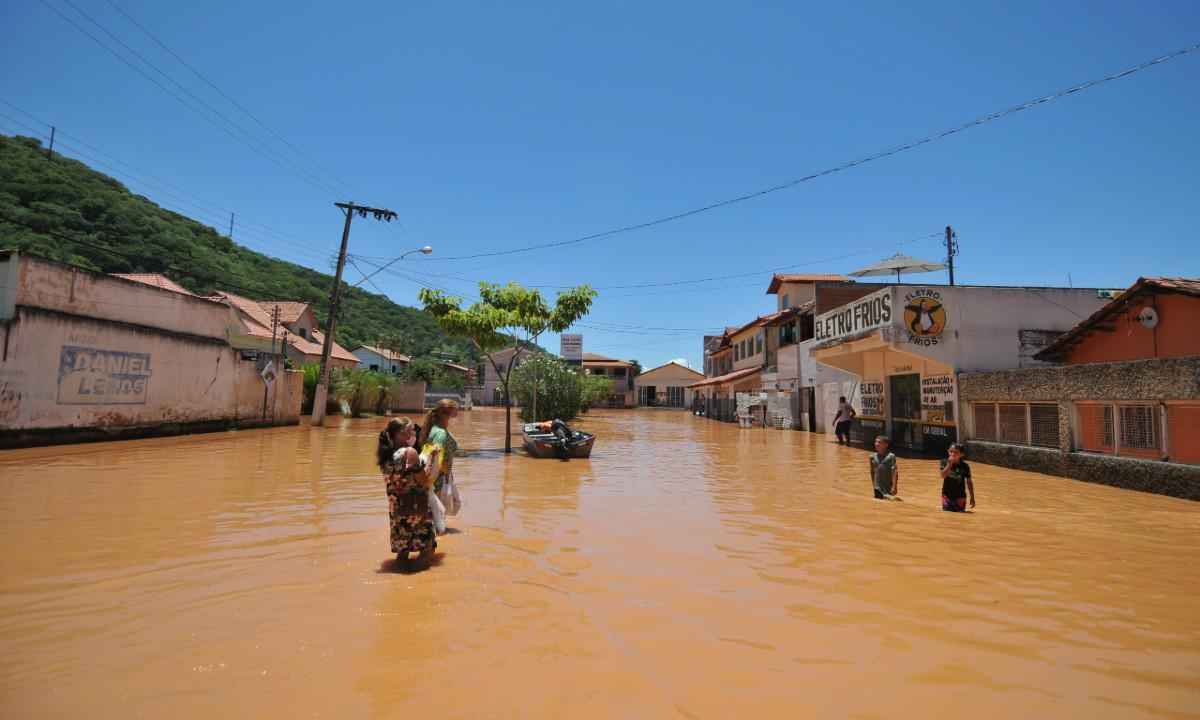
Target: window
x=1012 y=424
x=985 y=421
x=1096 y=427
x=619 y=372
x=759 y=344
x=736 y=354
x=787 y=334
x=785 y=305
x=375 y=367
x=674 y=396
x=1043 y=424
x=1139 y=427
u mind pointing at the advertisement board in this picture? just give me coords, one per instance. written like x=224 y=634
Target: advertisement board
x=571 y=348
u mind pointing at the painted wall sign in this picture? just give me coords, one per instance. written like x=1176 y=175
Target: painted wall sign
x=924 y=316
x=872 y=398
x=937 y=398
x=90 y=376
x=570 y=347
x=872 y=311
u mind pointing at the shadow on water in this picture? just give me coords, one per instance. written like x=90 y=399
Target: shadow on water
x=412 y=566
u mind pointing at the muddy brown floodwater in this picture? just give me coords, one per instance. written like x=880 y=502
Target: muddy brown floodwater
x=688 y=569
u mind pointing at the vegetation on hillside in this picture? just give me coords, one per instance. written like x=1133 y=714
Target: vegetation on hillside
x=63 y=210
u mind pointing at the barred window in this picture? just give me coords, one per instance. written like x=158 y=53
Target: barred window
x=1043 y=424
x=985 y=421
x=1096 y=427
x=1139 y=427
x=1012 y=424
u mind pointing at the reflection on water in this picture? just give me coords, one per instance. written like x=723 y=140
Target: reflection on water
x=688 y=569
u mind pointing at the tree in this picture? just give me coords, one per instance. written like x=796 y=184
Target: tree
x=548 y=379
x=506 y=317
x=595 y=388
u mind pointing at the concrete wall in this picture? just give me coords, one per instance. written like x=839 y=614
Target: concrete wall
x=66 y=376
x=1163 y=379
x=795 y=294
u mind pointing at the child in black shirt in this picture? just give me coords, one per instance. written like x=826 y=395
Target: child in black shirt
x=956 y=481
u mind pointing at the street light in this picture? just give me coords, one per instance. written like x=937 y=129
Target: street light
x=424 y=251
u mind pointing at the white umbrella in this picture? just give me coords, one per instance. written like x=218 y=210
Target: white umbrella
x=899 y=263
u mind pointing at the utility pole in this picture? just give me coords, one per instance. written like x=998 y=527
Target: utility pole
x=230 y=226
x=50 y=150
x=274 y=325
x=321 y=396
x=951 y=250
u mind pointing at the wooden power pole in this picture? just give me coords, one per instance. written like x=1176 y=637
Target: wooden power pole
x=321 y=396
x=951 y=250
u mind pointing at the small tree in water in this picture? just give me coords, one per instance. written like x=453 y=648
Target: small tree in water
x=506 y=316
x=557 y=388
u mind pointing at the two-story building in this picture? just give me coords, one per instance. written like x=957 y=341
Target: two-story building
x=621 y=374
x=296 y=328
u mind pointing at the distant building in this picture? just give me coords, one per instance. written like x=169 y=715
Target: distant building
x=666 y=386
x=304 y=341
x=621 y=373
x=380 y=359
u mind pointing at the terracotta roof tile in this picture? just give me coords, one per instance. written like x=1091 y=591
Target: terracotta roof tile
x=156 y=280
x=728 y=377
x=289 y=312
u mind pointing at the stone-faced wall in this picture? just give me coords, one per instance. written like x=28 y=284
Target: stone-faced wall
x=1176 y=480
x=1138 y=380
x=1156 y=379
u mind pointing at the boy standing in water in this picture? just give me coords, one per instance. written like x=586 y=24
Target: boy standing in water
x=885 y=475
x=956 y=481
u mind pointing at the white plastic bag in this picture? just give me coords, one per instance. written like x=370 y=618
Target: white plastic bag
x=451 y=500
x=439 y=513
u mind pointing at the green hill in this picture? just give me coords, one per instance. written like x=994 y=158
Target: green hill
x=60 y=200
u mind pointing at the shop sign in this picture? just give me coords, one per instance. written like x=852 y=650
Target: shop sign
x=937 y=398
x=868 y=313
x=872 y=398
x=570 y=347
x=924 y=317
x=89 y=376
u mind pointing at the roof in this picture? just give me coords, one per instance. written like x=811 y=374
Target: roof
x=316 y=345
x=289 y=312
x=156 y=280
x=257 y=319
x=456 y=366
x=595 y=360
x=385 y=353
x=1099 y=319
x=779 y=279
x=774 y=317
x=728 y=377
x=669 y=364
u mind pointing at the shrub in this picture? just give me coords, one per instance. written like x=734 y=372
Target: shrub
x=559 y=388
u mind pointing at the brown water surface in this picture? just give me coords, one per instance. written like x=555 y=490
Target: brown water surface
x=689 y=569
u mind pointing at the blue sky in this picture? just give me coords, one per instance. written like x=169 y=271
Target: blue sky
x=494 y=126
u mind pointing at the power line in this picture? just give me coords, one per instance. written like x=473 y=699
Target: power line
x=215 y=87
x=310 y=180
x=160 y=185
x=933 y=137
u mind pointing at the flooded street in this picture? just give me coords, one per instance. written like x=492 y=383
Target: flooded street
x=689 y=569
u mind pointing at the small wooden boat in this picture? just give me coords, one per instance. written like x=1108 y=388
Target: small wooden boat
x=542 y=444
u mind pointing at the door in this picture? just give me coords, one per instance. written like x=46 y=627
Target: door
x=906 y=410
x=649 y=396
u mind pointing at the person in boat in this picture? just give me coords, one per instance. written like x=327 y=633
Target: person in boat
x=439 y=447
x=562 y=434
x=407 y=483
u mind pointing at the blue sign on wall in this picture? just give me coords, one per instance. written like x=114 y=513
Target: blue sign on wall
x=88 y=376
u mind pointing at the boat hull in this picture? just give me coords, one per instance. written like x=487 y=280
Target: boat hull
x=545 y=445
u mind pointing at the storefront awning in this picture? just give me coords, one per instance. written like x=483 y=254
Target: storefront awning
x=727 y=378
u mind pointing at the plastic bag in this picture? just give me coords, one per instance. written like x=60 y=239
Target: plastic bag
x=451 y=500
x=439 y=513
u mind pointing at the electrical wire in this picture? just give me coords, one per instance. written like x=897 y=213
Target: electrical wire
x=221 y=92
x=932 y=137
x=316 y=183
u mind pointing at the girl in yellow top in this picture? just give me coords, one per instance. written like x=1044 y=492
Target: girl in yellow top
x=438 y=448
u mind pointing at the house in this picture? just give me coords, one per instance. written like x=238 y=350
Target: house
x=905 y=344
x=380 y=359
x=621 y=373
x=298 y=329
x=491 y=390
x=666 y=386
x=1124 y=390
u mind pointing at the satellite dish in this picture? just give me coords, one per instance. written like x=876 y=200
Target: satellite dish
x=1148 y=317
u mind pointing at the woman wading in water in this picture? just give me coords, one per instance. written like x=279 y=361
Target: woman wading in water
x=408 y=486
x=439 y=448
